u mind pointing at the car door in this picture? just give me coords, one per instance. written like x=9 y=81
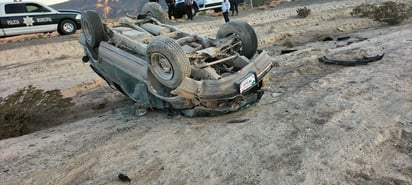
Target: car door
x=22 y=18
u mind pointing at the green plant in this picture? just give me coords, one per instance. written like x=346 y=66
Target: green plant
x=30 y=108
x=303 y=12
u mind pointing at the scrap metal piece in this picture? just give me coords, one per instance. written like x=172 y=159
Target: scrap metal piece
x=362 y=61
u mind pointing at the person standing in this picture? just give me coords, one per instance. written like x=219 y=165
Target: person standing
x=225 y=10
x=233 y=6
x=171 y=8
x=189 y=4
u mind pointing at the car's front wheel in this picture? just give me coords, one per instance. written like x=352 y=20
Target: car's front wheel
x=168 y=62
x=243 y=32
x=67 y=27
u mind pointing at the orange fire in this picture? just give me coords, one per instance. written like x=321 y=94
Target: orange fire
x=105 y=5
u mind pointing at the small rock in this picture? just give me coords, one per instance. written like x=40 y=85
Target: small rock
x=274 y=95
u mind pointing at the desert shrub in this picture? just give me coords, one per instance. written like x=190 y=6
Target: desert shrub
x=29 y=109
x=303 y=12
x=363 y=10
x=389 y=12
x=257 y=3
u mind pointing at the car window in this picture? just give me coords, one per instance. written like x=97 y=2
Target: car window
x=31 y=7
x=15 y=8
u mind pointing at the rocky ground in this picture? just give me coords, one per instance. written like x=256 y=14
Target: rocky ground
x=316 y=123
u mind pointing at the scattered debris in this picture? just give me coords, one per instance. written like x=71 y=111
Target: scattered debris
x=274 y=95
x=238 y=120
x=124 y=178
x=285 y=51
x=327 y=39
x=362 y=61
x=343 y=38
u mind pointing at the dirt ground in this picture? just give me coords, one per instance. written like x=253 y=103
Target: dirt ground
x=316 y=123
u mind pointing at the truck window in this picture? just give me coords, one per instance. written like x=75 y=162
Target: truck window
x=15 y=8
x=31 y=7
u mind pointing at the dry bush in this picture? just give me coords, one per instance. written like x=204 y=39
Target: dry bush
x=303 y=12
x=389 y=12
x=259 y=3
x=29 y=109
x=363 y=10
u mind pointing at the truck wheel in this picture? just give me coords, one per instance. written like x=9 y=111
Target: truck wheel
x=180 y=10
x=242 y=31
x=168 y=62
x=92 y=28
x=67 y=27
x=154 y=10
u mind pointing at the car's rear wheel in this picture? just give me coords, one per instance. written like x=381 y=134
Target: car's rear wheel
x=67 y=27
x=93 y=31
x=154 y=10
x=168 y=62
x=242 y=31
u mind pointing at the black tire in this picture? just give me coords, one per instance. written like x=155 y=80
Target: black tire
x=154 y=10
x=168 y=62
x=92 y=28
x=180 y=10
x=67 y=27
x=194 y=10
x=178 y=15
x=242 y=31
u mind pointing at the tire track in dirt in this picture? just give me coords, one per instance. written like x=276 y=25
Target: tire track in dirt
x=51 y=66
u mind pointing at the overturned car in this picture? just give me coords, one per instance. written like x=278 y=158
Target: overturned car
x=159 y=66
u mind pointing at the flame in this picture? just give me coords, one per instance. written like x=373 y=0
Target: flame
x=105 y=5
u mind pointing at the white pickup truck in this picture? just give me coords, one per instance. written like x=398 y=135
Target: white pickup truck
x=18 y=18
x=198 y=5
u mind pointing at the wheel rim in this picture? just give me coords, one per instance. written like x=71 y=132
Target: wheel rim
x=68 y=27
x=162 y=66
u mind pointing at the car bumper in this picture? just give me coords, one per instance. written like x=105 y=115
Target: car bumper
x=239 y=83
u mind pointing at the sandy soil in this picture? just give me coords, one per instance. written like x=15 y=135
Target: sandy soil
x=316 y=124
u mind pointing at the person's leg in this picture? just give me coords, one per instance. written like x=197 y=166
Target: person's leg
x=173 y=11
x=169 y=12
x=226 y=16
x=190 y=12
x=237 y=11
